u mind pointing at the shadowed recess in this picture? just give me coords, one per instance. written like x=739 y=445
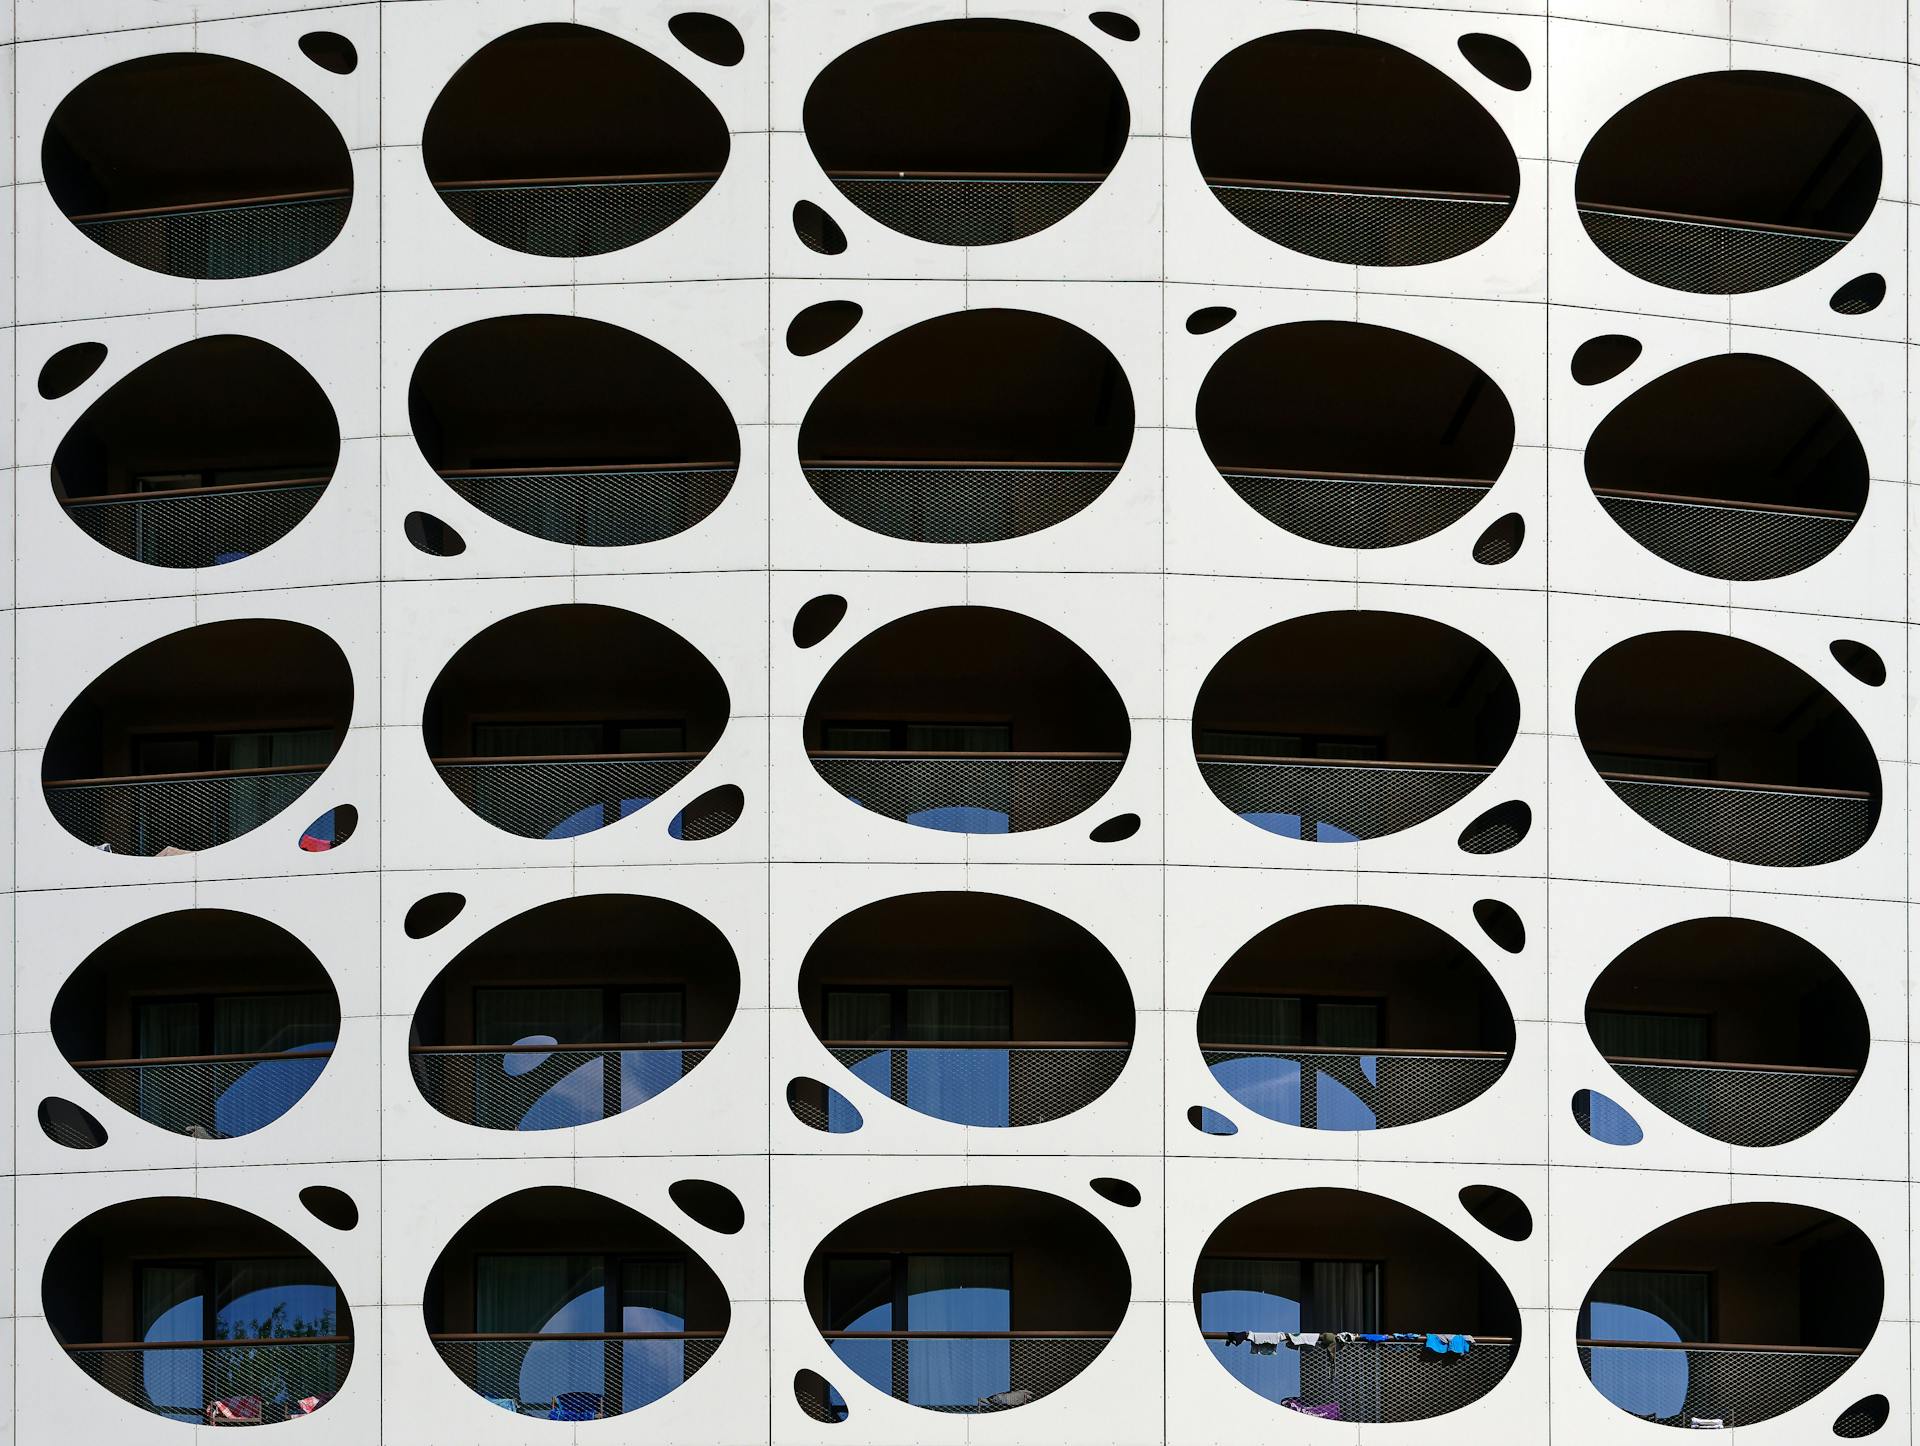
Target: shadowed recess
x=69 y=367
x=1602 y=358
x=1500 y=828
x=821 y=325
x=818 y=616
x=817 y=230
x=330 y=51
x=1860 y=660
x=1860 y=295
x=1502 y=924
x=1501 y=540
x=1498 y=59
x=1501 y=1211
x=433 y=913
x=709 y=1204
x=713 y=39
x=331 y=1207
x=430 y=535
x=66 y=1123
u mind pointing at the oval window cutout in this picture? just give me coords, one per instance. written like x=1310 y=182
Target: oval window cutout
x=66 y=1123
x=817 y=617
x=1501 y=1211
x=430 y=535
x=1860 y=660
x=818 y=1399
x=432 y=914
x=331 y=1207
x=1860 y=295
x=1604 y=1120
x=709 y=815
x=1499 y=60
x=1211 y=1122
x=821 y=1107
x=1210 y=318
x=1501 y=540
x=1862 y=1418
x=330 y=51
x=1502 y=924
x=821 y=325
x=1120 y=27
x=1602 y=358
x=709 y=1204
x=1498 y=829
x=817 y=230
x=69 y=367
x=330 y=830
x=714 y=40
x=1114 y=830
x=1120 y=1192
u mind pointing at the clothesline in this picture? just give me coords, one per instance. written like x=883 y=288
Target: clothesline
x=1266 y=1343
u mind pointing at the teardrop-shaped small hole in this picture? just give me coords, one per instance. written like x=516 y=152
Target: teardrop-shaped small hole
x=821 y=1107
x=432 y=536
x=1602 y=358
x=65 y=1123
x=1120 y=27
x=1120 y=826
x=1604 y=1120
x=1501 y=1211
x=1860 y=295
x=330 y=830
x=1498 y=59
x=817 y=617
x=818 y=1399
x=1210 y=318
x=1498 y=829
x=69 y=367
x=1502 y=924
x=714 y=40
x=331 y=1207
x=1211 y=1122
x=1120 y=1192
x=817 y=230
x=709 y=815
x=1501 y=540
x=1860 y=660
x=432 y=914
x=709 y=1203
x=1862 y=1418
x=330 y=51
x=819 y=326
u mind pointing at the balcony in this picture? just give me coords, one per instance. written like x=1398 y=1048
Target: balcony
x=971 y=132
x=198 y=738
x=977 y=426
x=1752 y=823
x=563 y=140
x=968 y=720
x=965 y=1301
x=1351 y=150
x=1729 y=182
x=1736 y=1028
x=573 y=430
x=267 y=180
x=1341 y=727
x=1741 y=542
x=1353 y=510
x=196 y=526
x=199 y=1313
x=535 y=730
x=1368 y=1267
x=619 y=1317
x=1731 y=1316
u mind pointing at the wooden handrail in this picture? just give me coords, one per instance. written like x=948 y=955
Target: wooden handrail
x=205 y=773
x=968 y=175
x=205 y=1345
x=1727 y=502
x=438 y=1336
x=490 y=181
x=1721 y=1346
x=159 y=494
x=568 y=758
x=716 y=466
x=968 y=1335
x=1609 y=209
x=977 y=1043
x=1478 y=1339
x=953 y=464
x=1395 y=1050
x=1432 y=767
x=1814 y=1069
x=311 y=1052
x=1736 y=785
x=1411 y=192
x=556 y=1048
x=185 y=207
x=1412 y=478
x=886 y=755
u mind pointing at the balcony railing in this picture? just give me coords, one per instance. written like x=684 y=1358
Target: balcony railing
x=1686 y=1383
x=1781 y=825
x=1738 y=541
x=547 y=1087
x=971 y=792
x=967 y=1372
x=988 y=1083
x=1742 y=1104
x=1709 y=254
x=575 y=215
x=576 y=1377
x=957 y=208
x=196 y=526
x=564 y=796
x=1369 y=1383
x=957 y=502
x=1364 y=225
x=1322 y=1087
x=1324 y=800
x=598 y=506
x=209 y=1096
x=223 y=240
x=145 y=814
x=1354 y=509
x=220 y=1382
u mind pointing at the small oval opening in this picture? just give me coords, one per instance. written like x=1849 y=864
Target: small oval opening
x=1500 y=828
x=819 y=326
x=1210 y=1122
x=330 y=830
x=1860 y=660
x=1862 y=1418
x=1602 y=358
x=332 y=1208
x=69 y=367
x=1501 y=541
x=709 y=815
x=1498 y=59
x=1116 y=829
x=1501 y=1211
x=432 y=914
x=1120 y=1192
x=821 y=1107
x=813 y=1394
x=817 y=230
x=1210 y=318
x=715 y=40
x=1502 y=924
x=1860 y=295
x=1120 y=27
x=1605 y=1120
x=330 y=51
x=710 y=1204
x=430 y=535
x=818 y=616
x=66 y=1123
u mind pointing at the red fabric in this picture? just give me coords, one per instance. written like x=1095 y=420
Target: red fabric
x=314 y=845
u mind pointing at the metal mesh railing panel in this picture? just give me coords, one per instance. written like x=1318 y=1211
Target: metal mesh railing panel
x=1364 y=228
x=547 y=1089
x=614 y=508
x=1756 y=1107
x=1678 y=1386
x=1740 y=544
x=1381 y=1383
x=237 y=1383
x=1752 y=826
x=969 y=1375
x=1702 y=256
x=198 y=530
x=576 y=1379
x=965 y=210
x=142 y=818
x=211 y=1099
x=956 y=504
x=224 y=243
x=1306 y=800
x=1354 y=1090
x=1356 y=512
x=1017 y=1085
x=561 y=799
x=575 y=218
x=972 y=795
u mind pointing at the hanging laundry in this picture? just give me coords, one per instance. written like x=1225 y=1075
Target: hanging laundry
x=1264 y=1343
x=1303 y=1340
x=1007 y=1398
x=1458 y=1345
x=1375 y=1339
x=1328 y=1412
x=1437 y=1344
x=1236 y=1338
